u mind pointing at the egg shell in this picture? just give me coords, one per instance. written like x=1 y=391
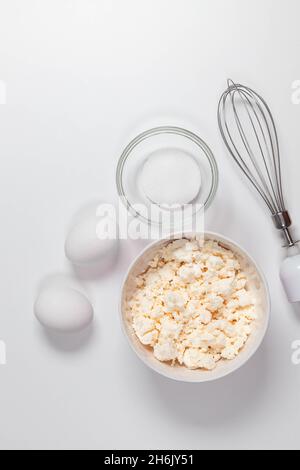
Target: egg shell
x=63 y=309
x=84 y=246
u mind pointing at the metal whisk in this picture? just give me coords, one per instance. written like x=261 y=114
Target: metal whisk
x=249 y=132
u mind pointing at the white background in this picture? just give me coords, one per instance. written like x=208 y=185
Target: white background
x=83 y=77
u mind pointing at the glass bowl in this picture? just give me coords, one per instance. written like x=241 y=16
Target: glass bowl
x=156 y=140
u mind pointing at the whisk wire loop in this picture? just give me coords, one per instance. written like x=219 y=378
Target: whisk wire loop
x=248 y=146
x=259 y=158
x=249 y=132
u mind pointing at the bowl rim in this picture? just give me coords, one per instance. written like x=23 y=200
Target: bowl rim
x=171 y=130
x=209 y=235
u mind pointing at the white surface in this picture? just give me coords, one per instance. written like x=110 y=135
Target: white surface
x=82 y=78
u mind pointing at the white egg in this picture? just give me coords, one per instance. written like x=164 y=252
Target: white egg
x=85 y=244
x=63 y=309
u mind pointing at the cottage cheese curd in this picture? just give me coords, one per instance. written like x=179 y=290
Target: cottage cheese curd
x=192 y=305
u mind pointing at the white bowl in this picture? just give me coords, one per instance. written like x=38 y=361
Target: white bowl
x=257 y=284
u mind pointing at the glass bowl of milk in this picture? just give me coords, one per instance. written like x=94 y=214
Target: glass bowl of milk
x=167 y=174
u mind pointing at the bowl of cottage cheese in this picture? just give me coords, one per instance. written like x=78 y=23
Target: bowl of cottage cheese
x=195 y=309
